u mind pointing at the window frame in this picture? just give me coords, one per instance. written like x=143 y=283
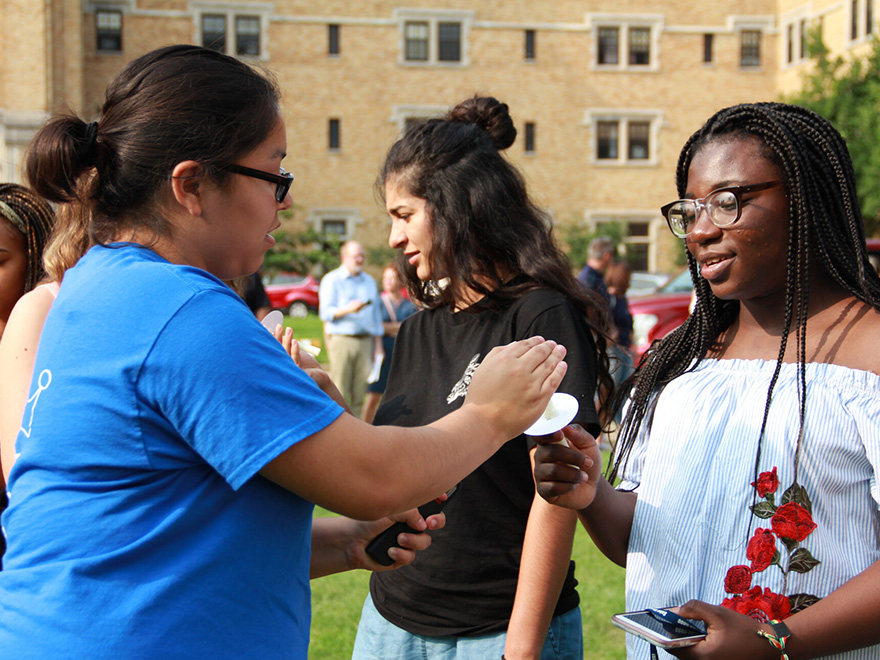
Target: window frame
x=626 y=26
x=529 y=137
x=317 y=216
x=232 y=12
x=99 y=32
x=601 y=120
x=334 y=134
x=530 y=44
x=656 y=228
x=435 y=20
x=758 y=62
x=708 y=48
x=334 y=39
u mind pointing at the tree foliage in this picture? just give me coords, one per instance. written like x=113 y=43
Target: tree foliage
x=847 y=93
x=307 y=251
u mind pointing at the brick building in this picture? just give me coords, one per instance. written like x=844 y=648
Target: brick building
x=603 y=93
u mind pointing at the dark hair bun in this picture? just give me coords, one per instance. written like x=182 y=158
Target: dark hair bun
x=489 y=114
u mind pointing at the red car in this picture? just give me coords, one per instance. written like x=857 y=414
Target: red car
x=295 y=295
x=657 y=315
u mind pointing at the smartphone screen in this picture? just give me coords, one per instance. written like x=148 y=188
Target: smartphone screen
x=661 y=633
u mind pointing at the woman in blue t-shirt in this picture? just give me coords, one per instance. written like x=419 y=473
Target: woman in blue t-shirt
x=170 y=452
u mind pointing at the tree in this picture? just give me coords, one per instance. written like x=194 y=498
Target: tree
x=307 y=251
x=847 y=93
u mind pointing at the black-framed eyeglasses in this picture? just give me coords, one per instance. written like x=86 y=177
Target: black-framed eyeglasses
x=723 y=206
x=282 y=181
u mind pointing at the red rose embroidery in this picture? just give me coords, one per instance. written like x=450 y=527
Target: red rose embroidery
x=767 y=483
x=792 y=521
x=738 y=579
x=761 y=605
x=761 y=550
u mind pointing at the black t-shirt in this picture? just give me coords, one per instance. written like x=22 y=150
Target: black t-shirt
x=465 y=583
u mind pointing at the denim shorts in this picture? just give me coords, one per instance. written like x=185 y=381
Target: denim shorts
x=377 y=639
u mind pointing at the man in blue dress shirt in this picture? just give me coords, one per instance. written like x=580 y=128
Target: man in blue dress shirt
x=352 y=324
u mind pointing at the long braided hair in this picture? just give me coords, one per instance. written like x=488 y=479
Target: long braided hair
x=825 y=224
x=34 y=218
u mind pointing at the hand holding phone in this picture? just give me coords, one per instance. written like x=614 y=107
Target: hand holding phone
x=661 y=627
x=378 y=547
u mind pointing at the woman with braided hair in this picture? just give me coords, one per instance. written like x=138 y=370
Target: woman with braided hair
x=25 y=224
x=749 y=451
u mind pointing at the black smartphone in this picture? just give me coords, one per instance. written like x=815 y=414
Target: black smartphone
x=378 y=547
x=661 y=627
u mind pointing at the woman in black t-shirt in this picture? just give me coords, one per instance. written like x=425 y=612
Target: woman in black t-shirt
x=479 y=257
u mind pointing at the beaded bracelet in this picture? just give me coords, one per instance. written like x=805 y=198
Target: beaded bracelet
x=778 y=637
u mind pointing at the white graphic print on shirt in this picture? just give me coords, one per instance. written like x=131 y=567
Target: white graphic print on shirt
x=461 y=387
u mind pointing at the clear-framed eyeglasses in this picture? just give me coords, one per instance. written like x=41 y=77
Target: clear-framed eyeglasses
x=723 y=206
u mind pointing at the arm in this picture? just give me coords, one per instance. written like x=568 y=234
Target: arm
x=391 y=328
x=339 y=544
x=18 y=352
x=401 y=468
x=848 y=618
x=545 y=559
x=572 y=478
x=330 y=308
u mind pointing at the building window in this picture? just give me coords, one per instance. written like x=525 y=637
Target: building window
x=214 y=32
x=625 y=42
x=750 y=48
x=333 y=40
x=335 y=137
x=608 y=45
x=606 y=140
x=708 y=47
x=431 y=37
x=417 y=41
x=624 y=137
x=803 y=50
x=247 y=35
x=530 y=45
x=789 y=44
x=854 y=20
x=109 y=29
x=334 y=226
x=636 y=239
x=530 y=137
x=639 y=135
x=231 y=33
x=869 y=17
x=640 y=46
x=449 y=42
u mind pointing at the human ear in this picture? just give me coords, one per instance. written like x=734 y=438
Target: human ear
x=186 y=179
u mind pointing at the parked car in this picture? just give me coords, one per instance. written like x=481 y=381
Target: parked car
x=294 y=294
x=657 y=315
x=643 y=283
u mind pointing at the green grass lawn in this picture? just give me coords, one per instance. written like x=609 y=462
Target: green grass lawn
x=337 y=599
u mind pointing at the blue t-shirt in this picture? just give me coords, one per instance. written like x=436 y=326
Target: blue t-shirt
x=138 y=526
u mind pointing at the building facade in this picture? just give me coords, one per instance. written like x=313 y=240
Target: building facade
x=603 y=94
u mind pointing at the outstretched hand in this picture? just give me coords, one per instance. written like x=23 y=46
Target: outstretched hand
x=309 y=364
x=513 y=384
x=568 y=475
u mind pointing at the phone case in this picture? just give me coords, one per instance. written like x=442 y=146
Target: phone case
x=378 y=547
x=657 y=639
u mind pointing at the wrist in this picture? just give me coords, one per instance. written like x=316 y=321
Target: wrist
x=777 y=635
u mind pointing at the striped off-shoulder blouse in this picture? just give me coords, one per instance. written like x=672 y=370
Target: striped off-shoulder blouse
x=695 y=534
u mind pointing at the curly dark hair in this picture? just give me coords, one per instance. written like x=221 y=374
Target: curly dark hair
x=34 y=218
x=484 y=224
x=825 y=226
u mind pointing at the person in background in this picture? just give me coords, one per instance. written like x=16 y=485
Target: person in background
x=349 y=307
x=167 y=435
x=749 y=453
x=479 y=259
x=600 y=254
x=26 y=222
x=617 y=280
x=255 y=295
x=395 y=308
